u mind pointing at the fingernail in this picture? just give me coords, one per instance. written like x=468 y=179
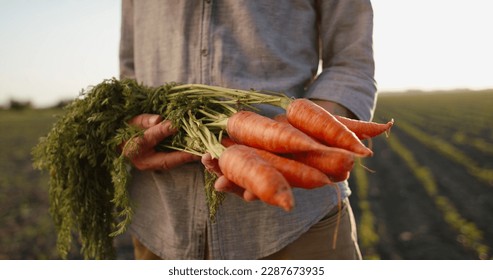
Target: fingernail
x=153 y=119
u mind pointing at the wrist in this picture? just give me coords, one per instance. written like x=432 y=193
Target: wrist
x=335 y=108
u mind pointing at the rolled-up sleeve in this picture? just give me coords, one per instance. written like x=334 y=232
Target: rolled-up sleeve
x=346 y=46
x=126 y=55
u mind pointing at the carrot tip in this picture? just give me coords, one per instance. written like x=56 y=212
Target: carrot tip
x=367 y=152
x=389 y=124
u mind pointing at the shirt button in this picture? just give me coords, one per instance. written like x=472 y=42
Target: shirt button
x=208 y=1
x=204 y=52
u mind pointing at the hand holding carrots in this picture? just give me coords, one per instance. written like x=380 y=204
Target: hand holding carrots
x=142 y=153
x=307 y=148
x=265 y=158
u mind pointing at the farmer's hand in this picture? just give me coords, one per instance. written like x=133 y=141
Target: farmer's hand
x=222 y=184
x=143 y=155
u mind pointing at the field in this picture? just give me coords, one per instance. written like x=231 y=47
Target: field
x=26 y=229
x=426 y=194
x=431 y=193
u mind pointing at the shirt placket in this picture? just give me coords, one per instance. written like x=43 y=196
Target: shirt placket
x=205 y=42
x=204 y=76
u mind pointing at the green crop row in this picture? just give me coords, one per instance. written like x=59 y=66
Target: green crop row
x=446 y=149
x=468 y=233
x=367 y=234
x=464 y=110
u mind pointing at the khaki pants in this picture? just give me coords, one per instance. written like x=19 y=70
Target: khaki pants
x=315 y=244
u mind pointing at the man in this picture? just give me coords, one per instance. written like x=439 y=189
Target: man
x=265 y=45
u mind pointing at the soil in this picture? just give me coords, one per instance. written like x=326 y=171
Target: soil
x=408 y=223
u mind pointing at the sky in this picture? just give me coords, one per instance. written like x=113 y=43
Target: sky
x=50 y=50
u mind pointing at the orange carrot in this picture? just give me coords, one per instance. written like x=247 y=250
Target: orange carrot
x=336 y=163
x=296 y=173
x=254 y=130
x=363 y=129
x=322 y=125
x=243 y=166
x=226 y=142
x=281 y=118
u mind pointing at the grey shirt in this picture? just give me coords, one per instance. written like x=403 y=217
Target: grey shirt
x=264 y=45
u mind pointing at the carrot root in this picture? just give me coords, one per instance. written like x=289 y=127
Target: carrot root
x=242 y=166
x=336 y=163
x=364 y=129
x=296 y=173
x=322 y=125
x=254 y=130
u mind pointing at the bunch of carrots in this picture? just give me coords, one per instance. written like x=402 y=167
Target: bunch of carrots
x=307 y=147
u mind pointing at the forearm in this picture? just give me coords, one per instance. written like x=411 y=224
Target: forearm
x=335 y=108
x=347 y=76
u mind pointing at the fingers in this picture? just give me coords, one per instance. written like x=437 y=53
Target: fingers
x=157 y=133
x=222 y=184
x=144 y=156
x=162 y=161
x=145 y=120
x=156 y=130
x=211 y=164
x=248 y=196
x=152 y=136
